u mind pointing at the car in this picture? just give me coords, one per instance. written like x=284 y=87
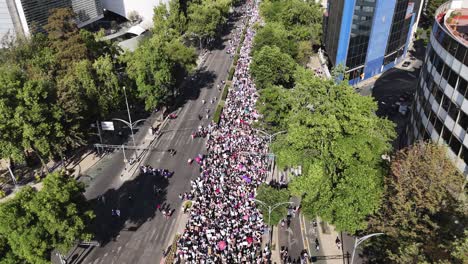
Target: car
x=406 y=64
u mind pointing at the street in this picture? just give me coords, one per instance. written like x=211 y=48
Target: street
x=141 y=233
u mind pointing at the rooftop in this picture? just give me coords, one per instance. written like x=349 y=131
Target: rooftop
x=456 y=22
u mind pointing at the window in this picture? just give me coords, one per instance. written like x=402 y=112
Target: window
x=453 y=111
x=432 y=56
x=463 y=120
x=464 y=154
x=432 y=118
x=438 y=95
x=446 y=135
x=446 y=42
x=426 y=135
x=445 y=103
x=455 y=144
x=453 y=47
x=460 y=55
x=452 y=80
x=438 y=126
x=438 y=64
x=462 y=86
x=446 y=72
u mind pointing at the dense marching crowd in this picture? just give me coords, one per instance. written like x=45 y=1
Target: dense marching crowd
x=225 y=225
x=236 y=35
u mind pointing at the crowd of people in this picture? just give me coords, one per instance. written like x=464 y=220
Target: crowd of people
x=225 y=225
x=148 y=170
x=236 y=35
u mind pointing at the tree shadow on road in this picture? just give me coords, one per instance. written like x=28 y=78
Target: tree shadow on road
x=193 y=86
x=137 y=202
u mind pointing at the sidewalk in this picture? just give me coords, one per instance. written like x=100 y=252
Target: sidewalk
x=326 y=235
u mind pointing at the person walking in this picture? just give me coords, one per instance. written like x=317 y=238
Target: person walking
x=338 y=242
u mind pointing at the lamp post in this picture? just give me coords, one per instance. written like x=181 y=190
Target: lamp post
x=270 y=136
x=270 y=209
x=129 y=116
x=358 y=241
x=129 y=122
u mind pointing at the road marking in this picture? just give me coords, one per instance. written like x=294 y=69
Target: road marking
x=305 y=239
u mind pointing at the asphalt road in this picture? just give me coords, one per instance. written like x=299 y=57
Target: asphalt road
x=141 y=233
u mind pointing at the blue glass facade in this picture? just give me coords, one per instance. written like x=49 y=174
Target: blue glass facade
x=374 y=35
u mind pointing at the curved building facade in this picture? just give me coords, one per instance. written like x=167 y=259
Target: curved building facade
x=440 y=108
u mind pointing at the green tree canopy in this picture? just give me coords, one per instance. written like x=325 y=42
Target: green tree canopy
x=270 y=66
x=271 y=197
x=432 y=6
x=206 y=17
x=53 y=86
x=420 y=216
x=170 y=22
x=302 y=19
x=337 y=138
x=64 y=38
x=33 y=223
x=274 y=34
x=274 y=106
x=154 y=67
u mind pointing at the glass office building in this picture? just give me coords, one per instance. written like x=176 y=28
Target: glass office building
x=440 y=109
x=368 y=36
x=21 y=16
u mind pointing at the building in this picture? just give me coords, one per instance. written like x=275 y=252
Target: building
x=19 y=17
x=440 y=109
x=127 y=8
x=368 y=36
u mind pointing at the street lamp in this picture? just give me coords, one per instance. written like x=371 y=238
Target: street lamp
x=270 y=209
x=129 y=122
x=270 y=136
x=358 y=241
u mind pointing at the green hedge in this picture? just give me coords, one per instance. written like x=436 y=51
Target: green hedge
x=236 y=58
x=217 y=113
x=170 y=256
x=225 y=92
x=231 y=73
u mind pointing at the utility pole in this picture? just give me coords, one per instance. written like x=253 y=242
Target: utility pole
x=270 y=209
x=358 y=241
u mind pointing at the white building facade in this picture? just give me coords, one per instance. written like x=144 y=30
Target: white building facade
x=440 y=109
x=144 y=8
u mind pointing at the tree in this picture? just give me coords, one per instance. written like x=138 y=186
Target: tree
x=11 y=81
x=334 y=134
x=64 y=37
x=107 y=85
x=420 y=215
x=432 y=7
x=302 y=19
x=274 y=106
x=204 y=20
x=304 y=52
x=271 y=197
x=274 y=34
x=338 y=73
x=270 y=66
x=40 y=118
x=154 y=67
x=34 y=223
x=170 y=21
